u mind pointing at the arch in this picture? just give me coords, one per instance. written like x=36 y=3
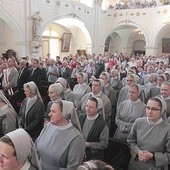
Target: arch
x=139 y=45
x=124 y=25
x=12 y=22
x=80 y=24
x=76 y=22
x=160 y=32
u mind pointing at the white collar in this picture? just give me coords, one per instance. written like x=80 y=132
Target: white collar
x=165 y=98
x=134 y=102
x=26 y=166
x=83 y=84
x=92 y=118
x=32 y=98
x=97 y=95
x=155 y=123
x=114 y=78
x=3 y=107
x=65 y=126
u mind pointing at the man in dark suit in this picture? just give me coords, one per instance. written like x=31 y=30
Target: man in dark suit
x=24 y=74
x=35 y=74
x=65 y=71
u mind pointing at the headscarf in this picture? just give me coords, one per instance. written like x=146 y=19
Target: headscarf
x=138 y=86
x=34 y=89
x=24 y=147
x=2 y=97
x=85 y=77
x=107 y=76
x=63 y=82
x=69 y=112
x=164 y=107
x=58 y=87
x=102 y=85
x=136 y=77
x=100 y=107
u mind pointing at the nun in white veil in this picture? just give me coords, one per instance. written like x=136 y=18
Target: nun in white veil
x=54 y=92
x=20 y=150
x=62 y=136
x=7 y=116
x=81 y=88
x=31 y=114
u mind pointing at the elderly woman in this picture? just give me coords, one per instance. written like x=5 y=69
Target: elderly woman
x=81 y=88
x=18 y=152
x=67 y=92
x=7 y=116
x=149 y=138
x=66 y=146
x=54 y=92
x=32 y=111
x=115 y=82
x=123 y=95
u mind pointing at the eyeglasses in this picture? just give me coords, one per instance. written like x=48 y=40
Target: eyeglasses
x=152 y=109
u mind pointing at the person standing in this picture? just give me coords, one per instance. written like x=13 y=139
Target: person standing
x=32 y=110
x=62 y=137
x=24 y=73
x=95 y=130
x=9 y=82
x=53 y=71
x=8 y=116
x=149 y=139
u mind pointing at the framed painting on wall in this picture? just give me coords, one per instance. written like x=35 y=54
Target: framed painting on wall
x=65 y=44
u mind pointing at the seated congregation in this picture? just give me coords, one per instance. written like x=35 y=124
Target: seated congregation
x=108 y=118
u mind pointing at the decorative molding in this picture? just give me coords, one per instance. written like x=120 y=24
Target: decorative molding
x=115 y=14
x=137 y=13
x=58 y=3
x=164 y=11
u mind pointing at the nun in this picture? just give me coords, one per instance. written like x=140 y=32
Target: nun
x=54 y=92
x=149 y=139
x=31 y=114
x=62 y=136
x=7 y=116
x=98 y=89
x=67 y=92
x=128 y=111
x=18 y=152
x=81 y=88
x=94 y=128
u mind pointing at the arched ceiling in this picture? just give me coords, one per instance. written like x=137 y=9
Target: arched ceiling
x=73 y=23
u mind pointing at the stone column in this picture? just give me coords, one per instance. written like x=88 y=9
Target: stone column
x=151 y=50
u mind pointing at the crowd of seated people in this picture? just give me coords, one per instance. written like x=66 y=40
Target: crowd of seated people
x=88 y=109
